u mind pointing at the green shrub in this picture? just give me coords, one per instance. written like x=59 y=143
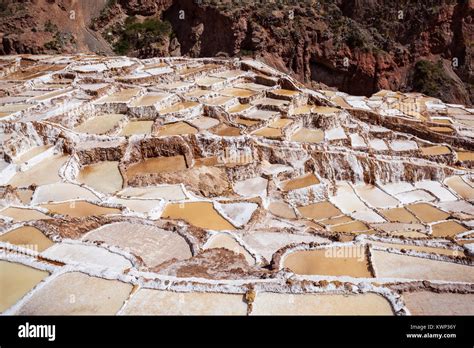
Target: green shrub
x=430 y=78
x=50 y=27
x=136 y=35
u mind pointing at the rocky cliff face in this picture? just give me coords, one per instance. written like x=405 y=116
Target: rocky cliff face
x=356 y=46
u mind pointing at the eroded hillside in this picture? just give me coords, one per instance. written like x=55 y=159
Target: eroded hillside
x=358 y=47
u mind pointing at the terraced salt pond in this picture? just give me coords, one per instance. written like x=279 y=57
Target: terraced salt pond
x=79 y=209
x=137 y=127
x=343 y=261
x=27 y=237
x=432 y=303
x=161 y=246
x=178 y=128
x=426 y=249
x=181 y=106
x=305 y=135
x=154 y=302
x=200 y=214
x=427 y=213
x=447 y=229
x=102 y=176
x=319 y=304
x=391 y=265
x=77 y=294
x=320 y=210
x=299 y=182
x=217 y=186
x=43 y=173
x=458 y=185
x=100 y=124
x=436 y=150
x=35 y=151
x=399 y=215
x=17 y=280
x=23 y=214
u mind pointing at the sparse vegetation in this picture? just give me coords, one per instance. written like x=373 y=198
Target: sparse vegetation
x=5 y=10
x=50 y=27
x=136 y=35
x=60 y=41
x=430 y=78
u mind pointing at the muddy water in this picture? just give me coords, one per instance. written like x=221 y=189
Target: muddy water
x=20 y=214
x=350 y=261
x=104 y=176
x=435 y=150
x=17 y=280
x=350 y=227
x=281 y=209
x=336 y=221
x=238 y=108
x=100 y=124
x=45 y=172
x=299 y=182
x=447 y=229
x=226 y=131
x=427 y=213
x=318 y=211
x=200 y=214
x=178 y=128
x=320 y=304
x=79 y=209
x=27 y=237
x=268 y=132
x=465 y=156
x=399 y=215
x=441 y=129
x=457 y=184
x=157 y=165
x=306 y=135
x=137 y=127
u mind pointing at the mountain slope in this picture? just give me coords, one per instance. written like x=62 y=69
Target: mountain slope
x=356 y=46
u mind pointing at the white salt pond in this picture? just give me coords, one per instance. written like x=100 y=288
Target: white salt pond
x=320 y=304
x=390 y=265
x=155 y=302
x=86 y=254
x=103 y=176
x=160 y=246
x=77 y=294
